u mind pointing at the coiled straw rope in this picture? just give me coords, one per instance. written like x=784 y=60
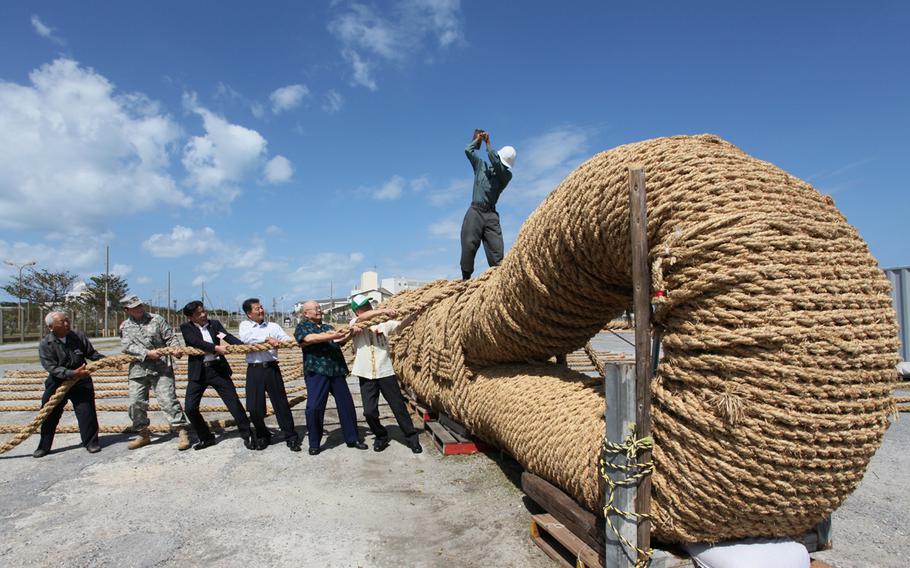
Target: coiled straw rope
x=779 y=340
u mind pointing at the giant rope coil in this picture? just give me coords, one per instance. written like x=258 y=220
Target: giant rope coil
x=778 y=333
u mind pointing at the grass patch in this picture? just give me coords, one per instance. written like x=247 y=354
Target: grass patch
x=19 y=360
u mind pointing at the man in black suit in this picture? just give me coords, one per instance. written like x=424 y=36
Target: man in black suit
x=210 y=370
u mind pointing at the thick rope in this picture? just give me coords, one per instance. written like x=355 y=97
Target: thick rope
x=779 y=339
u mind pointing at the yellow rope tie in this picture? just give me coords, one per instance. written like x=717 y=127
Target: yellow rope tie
x=634 y=472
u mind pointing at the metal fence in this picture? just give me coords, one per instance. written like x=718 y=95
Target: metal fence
x=900 y=292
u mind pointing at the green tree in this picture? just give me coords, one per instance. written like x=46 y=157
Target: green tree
x=42 y=287
x=93 y=295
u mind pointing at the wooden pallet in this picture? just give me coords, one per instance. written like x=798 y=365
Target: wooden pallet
x=561 y=545
x=450 y=443
x=421 y=411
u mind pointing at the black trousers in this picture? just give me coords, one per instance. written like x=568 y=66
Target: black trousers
x=388 y=386
x=213 y=377
x=480 y=226
x=82 y=395
x=262 y=380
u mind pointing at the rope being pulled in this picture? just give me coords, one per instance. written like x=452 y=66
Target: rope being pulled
x=779 y=340
x=116 y=361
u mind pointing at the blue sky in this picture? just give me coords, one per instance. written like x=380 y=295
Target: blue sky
x=277 y=149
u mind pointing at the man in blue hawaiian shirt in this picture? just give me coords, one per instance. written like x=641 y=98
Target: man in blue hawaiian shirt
x=325 y=371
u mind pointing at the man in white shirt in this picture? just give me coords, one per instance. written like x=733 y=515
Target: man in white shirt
x=373 y=367
x=264 y=376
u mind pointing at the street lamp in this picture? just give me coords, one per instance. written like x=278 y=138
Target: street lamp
x=21 y=267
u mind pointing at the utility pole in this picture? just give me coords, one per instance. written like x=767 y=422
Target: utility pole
x=21 y=267
x=202 y=297
x=168 y=307
x=107 y=277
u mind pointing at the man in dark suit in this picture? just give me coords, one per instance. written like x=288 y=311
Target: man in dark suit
x=210 y=370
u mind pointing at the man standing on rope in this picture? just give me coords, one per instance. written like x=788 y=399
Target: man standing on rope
x=210 y=370
x=264 y=376
x=373 y=367
x=325 y=371
x=63 y=354
x=481 y=221
x=143 y=335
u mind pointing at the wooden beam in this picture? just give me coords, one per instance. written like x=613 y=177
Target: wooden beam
x=583 y=523
x=641 y=285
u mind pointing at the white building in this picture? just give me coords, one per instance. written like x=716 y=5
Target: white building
x=401 y=283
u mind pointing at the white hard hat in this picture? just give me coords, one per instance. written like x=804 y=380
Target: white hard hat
x=507 y=156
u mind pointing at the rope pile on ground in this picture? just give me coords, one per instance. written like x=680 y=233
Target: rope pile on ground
x=779 y=340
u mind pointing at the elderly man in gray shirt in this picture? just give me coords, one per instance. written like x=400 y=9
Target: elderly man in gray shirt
x=143 y=335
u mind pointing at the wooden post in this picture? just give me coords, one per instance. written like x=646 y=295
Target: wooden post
x=619 y=390
x=641 y=284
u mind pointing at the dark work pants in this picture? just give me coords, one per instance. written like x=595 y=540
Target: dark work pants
x=262 y=380
x=82 y=395
x=318 y=388
x=388 y=386
x=224 y=386
x=480 y=226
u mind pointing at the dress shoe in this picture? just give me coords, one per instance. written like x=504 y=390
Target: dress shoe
x=264 y=443
x=250 y=443
x=416 y=448
x=93 y=448
x=314 y=451
x=294 y=446
x=380 y=444
x=40 y=453
x=357 y=445
x=206 y=443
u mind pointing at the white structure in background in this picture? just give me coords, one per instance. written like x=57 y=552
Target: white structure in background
x=400 y=284
x=369 y=287
x=338 y=309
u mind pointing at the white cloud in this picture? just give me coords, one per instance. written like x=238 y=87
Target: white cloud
x=361 y=69
x=448 y=227
x=333 y=102
x=220 y=255
x=45 y=31
x=287 y=98
x=395 y=34
x=324 y=267
x=182 y=241
x=278 y=170
x=258 y=109
x=458 y=189
x=543 y=161
x=419 y=184
x=74 y=147
x=220 y=160
x=274 y=230
x=391 y=189
x=200 y=279
x=143 y=280
x=121 y=270
x=77 y=255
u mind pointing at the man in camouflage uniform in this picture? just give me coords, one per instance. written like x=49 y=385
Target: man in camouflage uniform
x=144 y=333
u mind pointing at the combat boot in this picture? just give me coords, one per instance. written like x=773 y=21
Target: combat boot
x=143 y=438
x=183 y=439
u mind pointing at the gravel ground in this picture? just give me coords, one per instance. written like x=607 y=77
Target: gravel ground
x=228 y=506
